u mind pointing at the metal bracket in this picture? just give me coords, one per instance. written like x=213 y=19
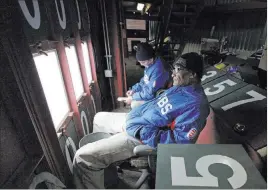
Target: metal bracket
x=108 y=56
x=38 y=47
x=108 y=73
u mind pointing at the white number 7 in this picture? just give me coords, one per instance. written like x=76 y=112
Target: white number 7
x=220 y=87
x=179 y=177
x=255 y=97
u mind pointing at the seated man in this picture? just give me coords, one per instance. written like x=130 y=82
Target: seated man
x=184 y=106
x=155 y=76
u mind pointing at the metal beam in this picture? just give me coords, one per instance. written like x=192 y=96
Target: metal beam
x=192 y=2
x=182 y=6
x=140 y=17
x=142 y=1
x=183 y=14
x=131 y=9
x=137 y=34
x=180 y=25
x=166 y=13
x=236 y=7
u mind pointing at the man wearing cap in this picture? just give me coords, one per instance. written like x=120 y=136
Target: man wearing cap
x=155 y=76
x=177 y=116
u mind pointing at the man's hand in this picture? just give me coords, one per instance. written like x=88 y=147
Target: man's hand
x=129 y=93
x=128 y=100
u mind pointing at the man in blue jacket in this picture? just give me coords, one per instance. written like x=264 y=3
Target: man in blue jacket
x=183 y=107
x=155 y=76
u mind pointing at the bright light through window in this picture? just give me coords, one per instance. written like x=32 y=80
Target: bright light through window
x=87 y=62
x=75 y=71
x=52 y=82
x=140 y=6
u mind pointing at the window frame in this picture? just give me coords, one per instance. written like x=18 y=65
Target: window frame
x=48 y=47
x=84 y=42
x=72 y=42
x=59 y=47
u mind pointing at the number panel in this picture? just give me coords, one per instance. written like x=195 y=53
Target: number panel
x=85 y=115
x=59 y=18
x=222 y=86
x=70 y=132
x=34 y=20
x=194 y=153
x=210 y=76
x=252 y=114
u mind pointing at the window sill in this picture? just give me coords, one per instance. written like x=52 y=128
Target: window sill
x=63 y=125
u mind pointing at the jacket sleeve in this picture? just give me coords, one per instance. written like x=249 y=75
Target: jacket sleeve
x=147 y=91
x=158 y=136
x=184 y=132
x=138 y=86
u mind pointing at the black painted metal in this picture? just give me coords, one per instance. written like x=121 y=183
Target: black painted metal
x=86 y=115
x=96 y=34
x=138 y=16
x=137 y=34
x=115 y=34
x=211 y=73
x=181 y=17
x=108 y=55
x=165 y=14
x=237 y=5
x=54 y=22
x=245 y=31
x=27 y=100
x=85 y=25
x=69 y=142
x=251 y=114
x=224 y=88
x=41 y=28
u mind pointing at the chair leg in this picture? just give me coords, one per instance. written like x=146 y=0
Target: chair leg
x=145 y=174
x=119 y=170
x=152 y=182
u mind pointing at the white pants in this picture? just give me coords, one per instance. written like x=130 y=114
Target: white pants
x=109 y=122
x=91 y=159
x=135 y=103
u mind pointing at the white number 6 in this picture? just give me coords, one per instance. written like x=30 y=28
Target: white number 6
x=220 y=87
x=179 y=177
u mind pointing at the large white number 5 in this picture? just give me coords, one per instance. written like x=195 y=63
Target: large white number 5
x=179 y=177
x=220 y=87
x=210 y=74
x=255 y=97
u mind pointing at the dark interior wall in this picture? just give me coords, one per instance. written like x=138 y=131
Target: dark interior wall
x=19 y=146
x=245 y=30
x=115 y=35
x=25 y=121
x=96 y=32
x=27 y=124
x=8 y=135
x=109 y=91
